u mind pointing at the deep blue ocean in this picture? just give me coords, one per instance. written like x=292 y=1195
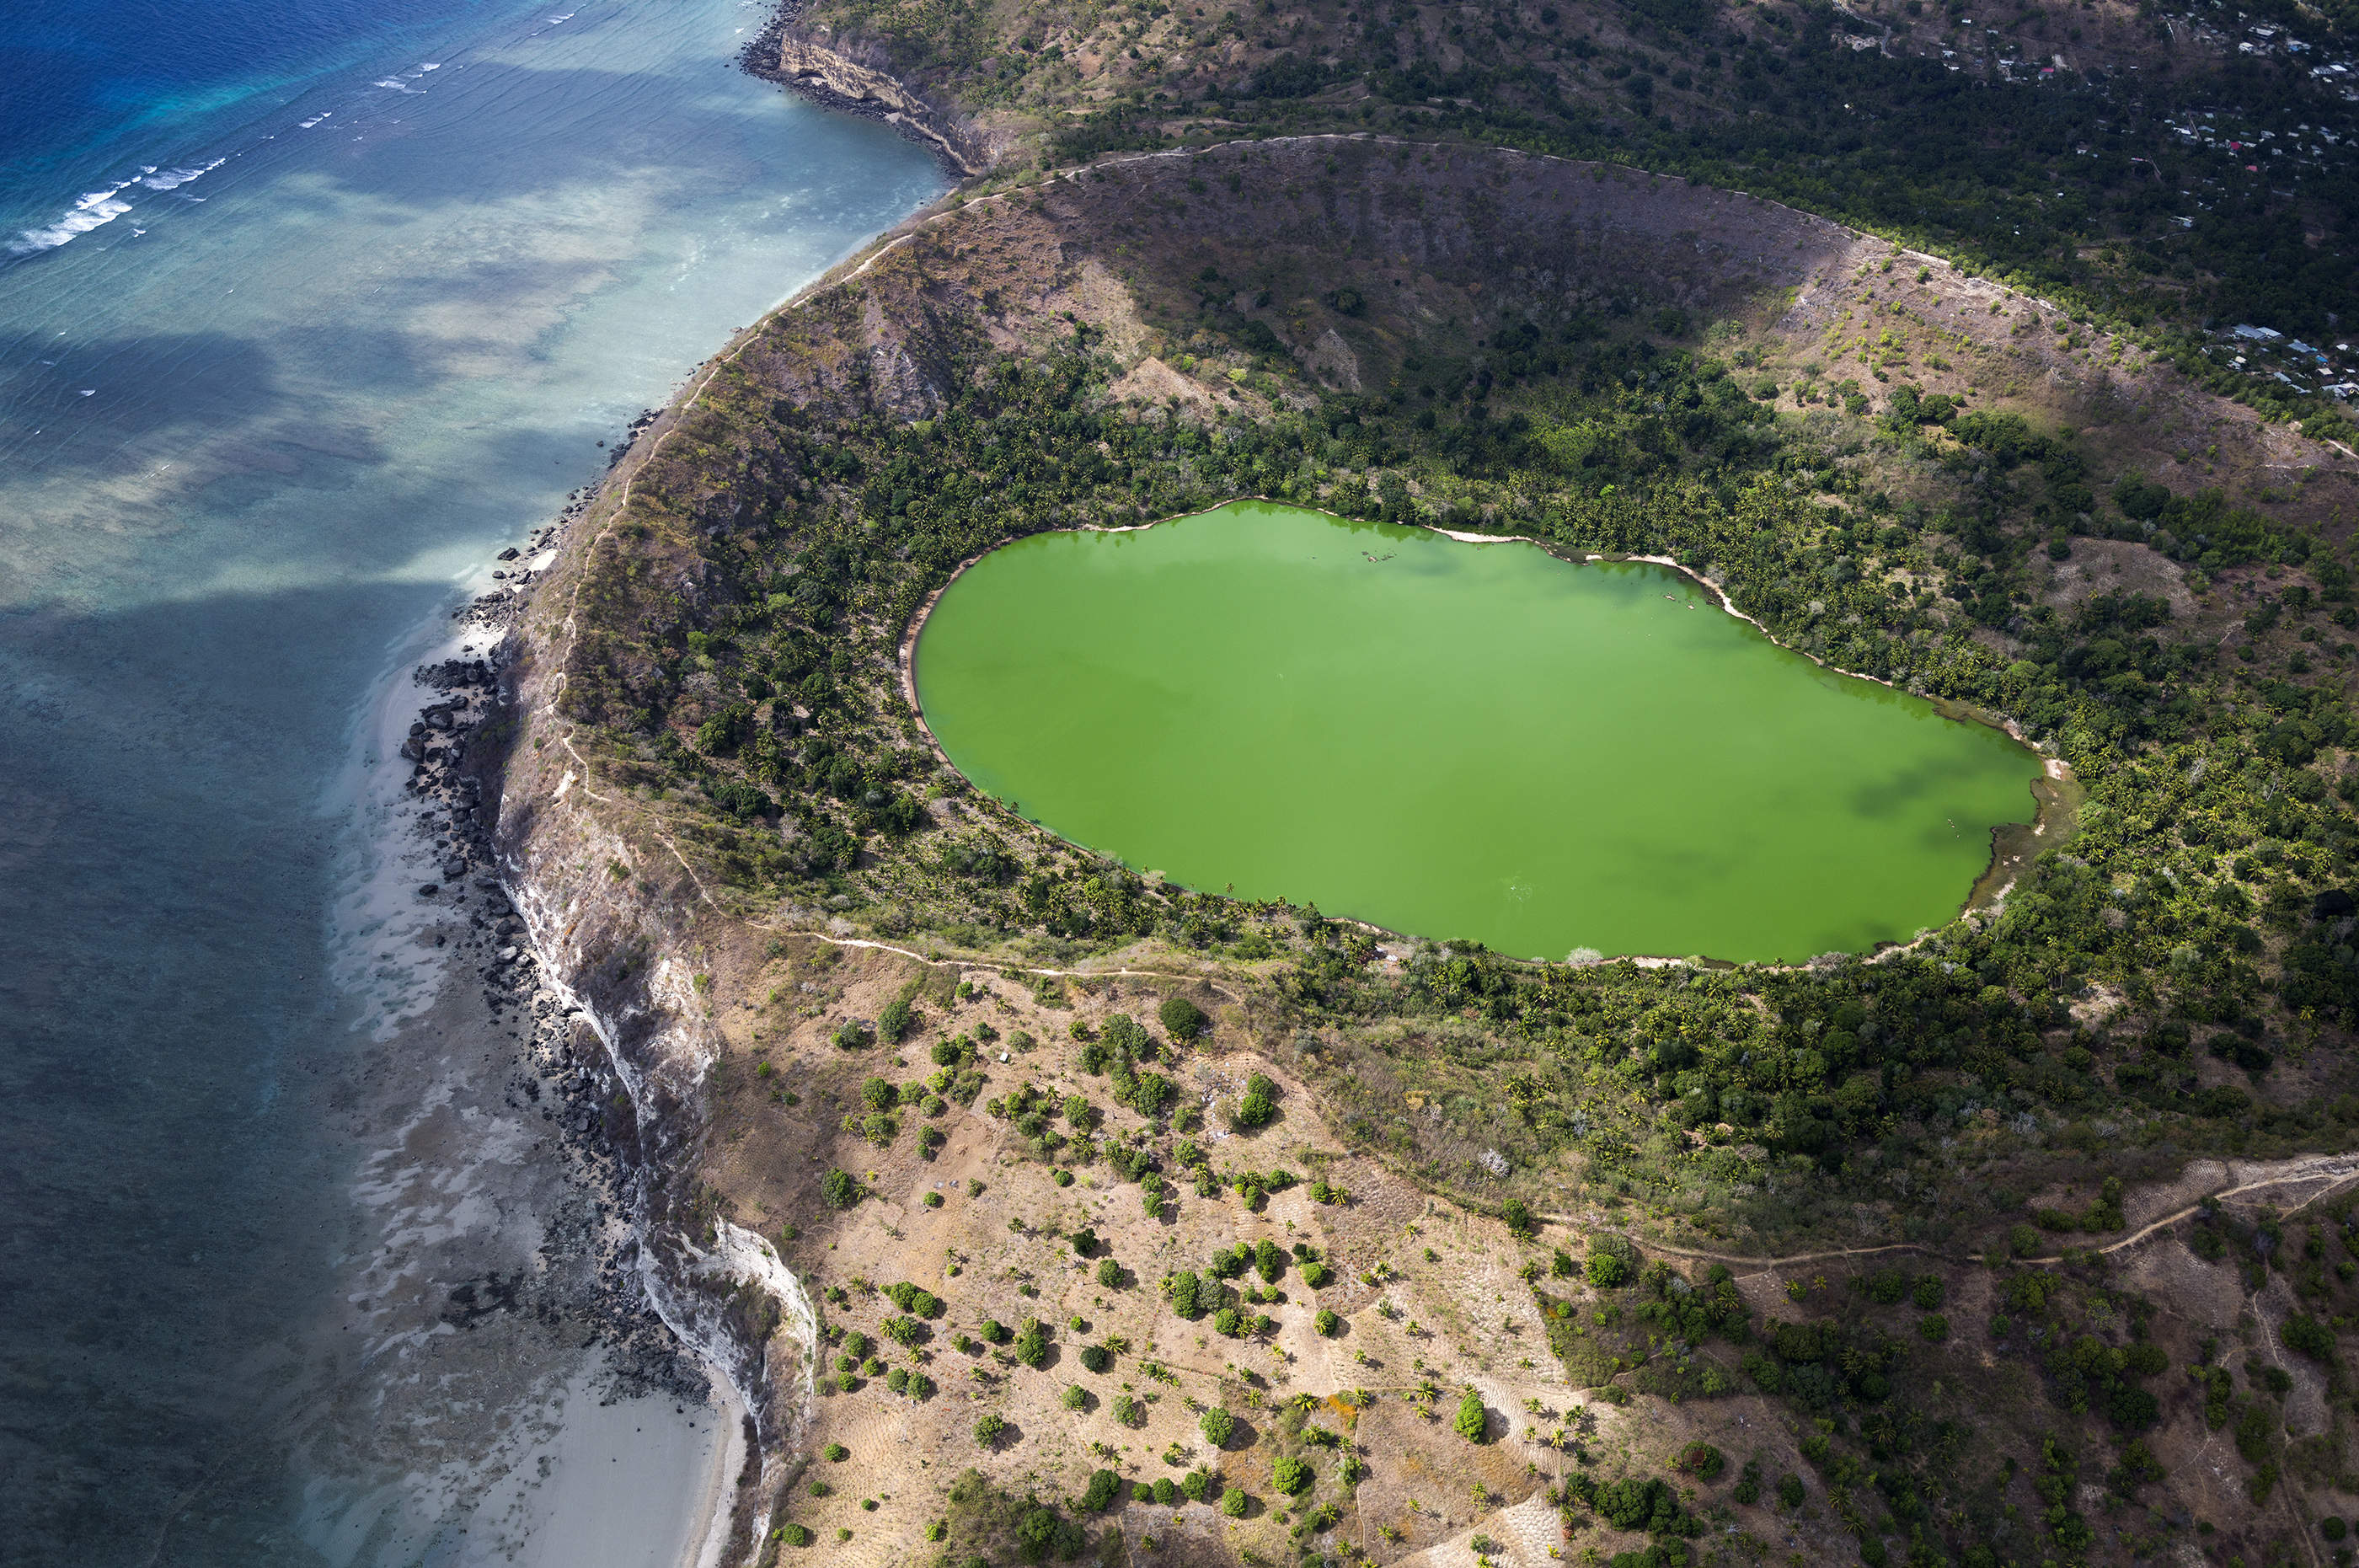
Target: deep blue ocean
x=305 y=310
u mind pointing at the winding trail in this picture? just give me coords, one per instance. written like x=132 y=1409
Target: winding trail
x=2334 y=1170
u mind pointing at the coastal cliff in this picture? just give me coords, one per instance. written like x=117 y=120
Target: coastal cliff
x=809 y=64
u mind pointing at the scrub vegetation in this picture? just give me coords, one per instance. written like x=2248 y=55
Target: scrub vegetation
x=2007 y=1248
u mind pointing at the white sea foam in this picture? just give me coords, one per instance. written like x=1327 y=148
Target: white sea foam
x=397 y=85
x=97 y=208
x=173 y=179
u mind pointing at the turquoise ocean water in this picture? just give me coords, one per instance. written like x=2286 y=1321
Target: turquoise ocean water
x=305 y=310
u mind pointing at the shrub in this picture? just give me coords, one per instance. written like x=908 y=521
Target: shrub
x=1109 y=1273
x=894 y=1022
x=1790 y=1492
x=1075 y=1397
x=1189 y=1294
x=838 y=1189
x=1934 y=1327
x=1103 y=1487
x=1217 y=1425
x=1164 y=1492
x=1290 y=1475
x=1196 y=1486
x=1181 y=1018
x=851 y=1034
x=2333 y=1527
x=1472 y=1420
x=1233 y=1502
x=1032 y=1346
x=1607 y=1270
x=1226 y=1322
x=1702 y=1461
x=987 y=1428
x=1316 y=1274
x=1096 y=1357
x=1520 y=1221
x=1326 y=1323
x=795 y=1534
x=2309 y=1336
x=1269 y=1260
x=1927 y=1293
x=836 y=1452
x=993 y=1332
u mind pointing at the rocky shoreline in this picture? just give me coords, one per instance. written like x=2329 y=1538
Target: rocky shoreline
x=680 y=1303
x=809 y=67
x=562 y=1067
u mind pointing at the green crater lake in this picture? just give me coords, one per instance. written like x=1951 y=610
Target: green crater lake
x=1457 y=740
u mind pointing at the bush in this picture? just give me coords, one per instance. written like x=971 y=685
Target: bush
x=1074 y=1397
x=1096 y=1357
x=1607 y=1270
x=1104 y=1489
x=1521 y=1223
x=2333 y=1527
x=838 y=1189
x=1181 y=1018
x=1326 y=1323
x=1702 y=1461
x=1032 y=1346
x=894 y=1022
x=1934 y=1327
x=1109 y=1273
x=851 y=1034
x=836 y=1452
x=1196 y=1486
x=2309 y=1336
x=1472 y=1421
x=1790 y=1492
x=1217 y=1425
x=1290 y=1475
x=795 y=1534
x=1233 y=1502
x=987 y=1428
x=1226 y=1322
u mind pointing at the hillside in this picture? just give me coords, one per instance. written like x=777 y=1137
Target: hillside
x=856 y=1020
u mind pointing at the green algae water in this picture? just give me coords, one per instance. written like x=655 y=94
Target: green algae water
x=1457 y=740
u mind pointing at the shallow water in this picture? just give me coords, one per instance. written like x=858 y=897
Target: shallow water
x=1457 y=740
x=304 y=311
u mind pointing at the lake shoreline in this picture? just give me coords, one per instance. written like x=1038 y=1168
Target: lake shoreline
x=2053 y=805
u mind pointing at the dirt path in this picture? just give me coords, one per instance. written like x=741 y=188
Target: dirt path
x=2334 y=1170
